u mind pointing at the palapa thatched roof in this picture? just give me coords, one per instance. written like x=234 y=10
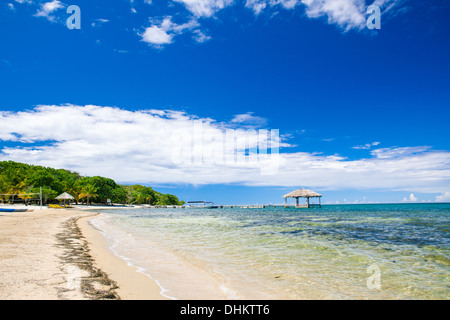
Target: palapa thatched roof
x=303 y=193
x=64 y=196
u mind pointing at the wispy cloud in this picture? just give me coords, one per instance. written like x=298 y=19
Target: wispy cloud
x=24 y=1
x=366 y=146
x=48 y=8
x=205 y=8
x=444 y=197
x=200 y=37
x=8 y=64
x=162 y=33
x=98 y=22
x=399 y=152
x=248 y=120
x=98 y=140
x=259 y=5
x=346 y=14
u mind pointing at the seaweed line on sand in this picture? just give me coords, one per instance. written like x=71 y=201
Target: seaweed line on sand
x=92 y=281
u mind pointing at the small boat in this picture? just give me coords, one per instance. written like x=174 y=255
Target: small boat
x=202 y=205
x=12 y=210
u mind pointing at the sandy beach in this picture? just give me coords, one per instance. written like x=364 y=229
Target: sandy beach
x=55 y=254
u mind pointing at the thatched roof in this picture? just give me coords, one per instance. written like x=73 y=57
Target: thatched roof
x=64 y=196
x=303 y=193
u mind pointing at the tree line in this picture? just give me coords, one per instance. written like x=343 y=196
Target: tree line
x=20 y=180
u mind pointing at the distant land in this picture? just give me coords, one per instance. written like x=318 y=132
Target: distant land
x=20 y=182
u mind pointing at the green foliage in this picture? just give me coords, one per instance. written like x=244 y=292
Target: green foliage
x=88 y=191
x=21 y=178
x=137 y=194
x=167 y=199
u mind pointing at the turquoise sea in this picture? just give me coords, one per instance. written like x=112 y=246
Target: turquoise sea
x=373 y=251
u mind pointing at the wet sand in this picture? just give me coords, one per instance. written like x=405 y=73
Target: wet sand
x=55 y=254
x=131 y=284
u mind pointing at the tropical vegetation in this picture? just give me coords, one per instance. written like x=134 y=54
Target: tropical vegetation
x=21 y=182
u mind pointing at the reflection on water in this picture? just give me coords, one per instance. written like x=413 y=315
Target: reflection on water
x=306 y=253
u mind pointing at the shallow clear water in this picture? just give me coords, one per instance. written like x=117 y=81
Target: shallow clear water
x=278 y=253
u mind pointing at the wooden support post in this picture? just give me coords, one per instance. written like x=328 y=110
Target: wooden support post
x=307 y=201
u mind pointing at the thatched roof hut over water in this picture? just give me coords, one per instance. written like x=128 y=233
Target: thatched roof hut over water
x=302 y=193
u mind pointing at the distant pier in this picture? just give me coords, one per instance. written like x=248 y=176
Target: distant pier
x=296 y=194
x=249 y=206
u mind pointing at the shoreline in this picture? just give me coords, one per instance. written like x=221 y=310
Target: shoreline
x=58 y=254
x=55 y=254
x=132 y=285
x=164 y=274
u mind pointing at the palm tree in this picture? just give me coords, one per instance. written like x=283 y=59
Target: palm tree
x=16 y=189
x=4 y=187
x=76 y=192
x=87 y=192
x=26 y=196
x=140 y=198
x=149 y=198
x=73 y=188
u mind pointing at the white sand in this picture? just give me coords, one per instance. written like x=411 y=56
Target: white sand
x=32 y=267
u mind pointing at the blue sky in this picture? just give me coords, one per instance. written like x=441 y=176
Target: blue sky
x=362 y=114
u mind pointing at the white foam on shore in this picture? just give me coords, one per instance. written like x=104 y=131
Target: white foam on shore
x=163 y=291
x=185 y=281
x=232 y=295
x=114 y=242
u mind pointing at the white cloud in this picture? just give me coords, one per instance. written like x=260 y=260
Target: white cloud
x=345 y=13
x=248 y=120
x=256 y=5
x=391 y=153
x=200 y=37
x=348 y=14
x=179 y=28
x=149 y=146
x=259 y=5
x=411 y=198
x=11 y=6
x=99 y=22
x=163 y=33
x=366 y=146
x=205 y=8
x=156 y=35
x=48 y=8
x=444 y=197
